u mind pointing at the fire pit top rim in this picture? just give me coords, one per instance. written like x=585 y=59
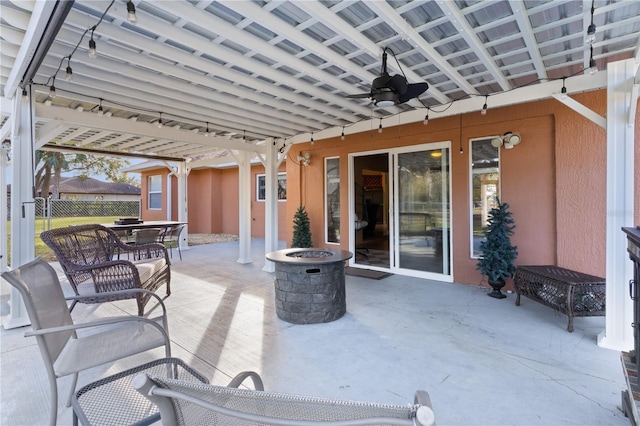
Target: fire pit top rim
x=285 y=256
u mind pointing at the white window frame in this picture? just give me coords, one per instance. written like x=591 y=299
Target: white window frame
x=327 y=219
x=471 y=174
x=151 y=192
x=262 y=176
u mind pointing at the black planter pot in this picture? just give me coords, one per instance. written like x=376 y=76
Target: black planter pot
x=497 y=285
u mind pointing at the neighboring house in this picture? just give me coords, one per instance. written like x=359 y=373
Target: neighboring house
x=212 y=197
x=75 y=188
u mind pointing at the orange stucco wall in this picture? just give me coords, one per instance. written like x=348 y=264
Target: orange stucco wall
x=554 y=181
x=212 y=201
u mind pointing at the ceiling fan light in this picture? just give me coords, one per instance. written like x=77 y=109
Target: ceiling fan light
x=385 y=99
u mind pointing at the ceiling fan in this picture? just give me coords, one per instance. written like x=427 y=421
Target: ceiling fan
x=387 y=90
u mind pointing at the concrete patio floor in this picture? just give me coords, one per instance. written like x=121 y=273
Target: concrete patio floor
x=483 y=361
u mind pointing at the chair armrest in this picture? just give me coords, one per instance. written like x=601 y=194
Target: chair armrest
x=241 y=377
x=100 y=323
x=124 y=292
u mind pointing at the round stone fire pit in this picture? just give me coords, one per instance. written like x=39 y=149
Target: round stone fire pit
x=309 y=284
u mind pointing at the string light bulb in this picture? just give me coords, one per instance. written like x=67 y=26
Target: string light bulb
x=93 y=53
x=563 y=92
x=484 y=107
x=593 y=67
x=159 y=123
x=25 y=95
x=342 y=135
x=312 y=141
x=591 y=29
x=100 y=110
x=69 y=70
x=426 y=118
x=131 y=13
x=206 y=132
x=52 y=89
x=380 y=126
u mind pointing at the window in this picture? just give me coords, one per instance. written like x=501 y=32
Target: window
x=332 y=199
x=261 y=187
x=155 y=192
x=485 y=188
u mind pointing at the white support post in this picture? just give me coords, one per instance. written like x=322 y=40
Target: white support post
x=4 y=249
x=244 y=205
x=169 y=192
x=618 y=333
x=271 y=204
x=22 y=202
x=182 y=174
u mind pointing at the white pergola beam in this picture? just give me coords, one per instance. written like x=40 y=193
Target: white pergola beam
x=73 y=118
x=40 y=16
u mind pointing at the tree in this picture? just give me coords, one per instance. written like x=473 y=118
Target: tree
x=498 y=254
x=50 y=165
x=301 y=229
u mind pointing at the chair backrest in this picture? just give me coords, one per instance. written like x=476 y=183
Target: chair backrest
x=174 y=232
x=46 y=306
x=147 y=235
x=81 y=245
x=188 y=403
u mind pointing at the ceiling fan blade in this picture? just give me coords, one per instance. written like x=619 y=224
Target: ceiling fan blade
x=413 y=91
x=359 y=96
x=398 y=84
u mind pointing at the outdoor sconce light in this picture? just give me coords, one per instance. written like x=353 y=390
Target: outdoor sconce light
x=305 y=158
x=509 y=140
x=6 y=147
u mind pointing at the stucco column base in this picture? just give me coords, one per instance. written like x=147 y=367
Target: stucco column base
x=245 y=260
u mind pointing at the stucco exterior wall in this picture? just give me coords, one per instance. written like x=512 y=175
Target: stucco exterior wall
x=555 y=180
x=212 y=201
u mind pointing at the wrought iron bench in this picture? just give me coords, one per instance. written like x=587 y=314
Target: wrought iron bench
x=93 y=259
x=573 y=293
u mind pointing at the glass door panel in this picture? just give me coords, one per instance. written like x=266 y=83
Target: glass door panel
x=422 y=211
x=371 y=212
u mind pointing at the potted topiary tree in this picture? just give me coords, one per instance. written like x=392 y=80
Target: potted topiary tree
x=498 y=254
x=301 y=229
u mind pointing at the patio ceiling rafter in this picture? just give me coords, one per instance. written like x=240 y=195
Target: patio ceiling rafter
x=85 y=120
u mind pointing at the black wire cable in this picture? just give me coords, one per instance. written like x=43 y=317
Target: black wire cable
x=70 y=55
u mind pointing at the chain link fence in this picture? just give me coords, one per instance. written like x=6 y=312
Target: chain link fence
x=50 y=214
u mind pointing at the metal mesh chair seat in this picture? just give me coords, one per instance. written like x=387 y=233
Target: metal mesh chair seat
x=90 y=258
x=184 y=403
x=114 y=401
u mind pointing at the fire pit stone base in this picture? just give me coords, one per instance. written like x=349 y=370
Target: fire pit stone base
x=310 y=285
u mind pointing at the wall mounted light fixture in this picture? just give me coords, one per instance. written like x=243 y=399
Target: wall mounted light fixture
x=305 y=158
x=509 y=140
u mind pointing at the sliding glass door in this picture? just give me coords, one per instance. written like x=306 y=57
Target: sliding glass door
x=409 y=231
x=422 y=231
